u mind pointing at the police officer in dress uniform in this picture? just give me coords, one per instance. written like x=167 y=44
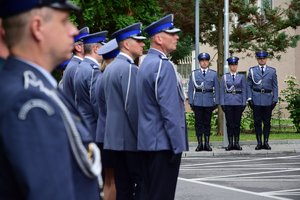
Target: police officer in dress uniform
x=43 y=139
x=262 y=97
x=162 y=135
x=86 y=76
x=109 y=51
x=203 y=94
x=233 y=95
x=119 y=82
x=78 y=54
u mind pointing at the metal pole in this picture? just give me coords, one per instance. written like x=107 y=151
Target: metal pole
x=226 y=53
x=197 y=3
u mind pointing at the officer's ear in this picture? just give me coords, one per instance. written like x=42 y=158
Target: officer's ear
x=158 y=38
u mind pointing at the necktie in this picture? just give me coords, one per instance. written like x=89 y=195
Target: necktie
x=233 y=77
x=262 y=70
x=203 y=72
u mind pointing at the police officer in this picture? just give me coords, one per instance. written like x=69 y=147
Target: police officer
x=109 y=51
x=162 y=135
x=262 y=97
x=78 y=54
x=86 y=76
x=119 y=82
x=43 y=139
x=233 y=94
x=203 y=94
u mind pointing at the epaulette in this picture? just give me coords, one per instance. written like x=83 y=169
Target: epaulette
x=95 y=66
x=271 y=67
x=163 y=57
x=212 y=70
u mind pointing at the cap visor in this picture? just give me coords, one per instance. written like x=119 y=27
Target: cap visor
x=139 y=37
x=65 y=6
x=173 y=30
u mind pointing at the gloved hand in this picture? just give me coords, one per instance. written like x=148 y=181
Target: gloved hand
x=274 y=105
x=175 y=158
x=250 y=103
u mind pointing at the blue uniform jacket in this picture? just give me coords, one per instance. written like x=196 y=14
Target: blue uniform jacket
x=162 y=123
x=208 y=82
x=68 y=77
x=102 y=109
x=233 y=93
x=267 y=81
x=119 y=82
x=36 y=161
x=84 y=84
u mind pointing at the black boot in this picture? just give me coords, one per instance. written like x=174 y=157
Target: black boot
x=259 y=144
x=266 y=142
x=200 y=144
x=237 y=143
x=230 y=145
x=206 y=145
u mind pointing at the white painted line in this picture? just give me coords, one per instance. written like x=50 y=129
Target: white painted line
x=247 y=164
x=231 y=169
x=238 y=161
x=233 y=189
x=247 y=174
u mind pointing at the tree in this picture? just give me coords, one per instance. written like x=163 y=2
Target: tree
x=255 y=28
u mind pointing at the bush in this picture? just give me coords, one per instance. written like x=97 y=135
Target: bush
x=292 y=97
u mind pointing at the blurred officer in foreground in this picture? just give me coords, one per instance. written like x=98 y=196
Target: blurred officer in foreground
x=162 y=135
x=85 y=79
x=42 y=137
x=262 y=97
x=3 y=48
x=233 y=94
x=109 y=51
x=203 y=94
x=78 y=54
x=119 y=82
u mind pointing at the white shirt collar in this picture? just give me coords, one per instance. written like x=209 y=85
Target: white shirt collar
x=127 y=56
x=78 y=57
x=159 y=51
x=93 y=59
x=44 y=72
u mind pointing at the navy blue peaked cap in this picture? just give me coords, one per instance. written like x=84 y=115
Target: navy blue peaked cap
x=95 y=37
x=164 y=24
x=133 y=31
x=203 y=56
x=261 y=54
x=10 y=8
x=109 y=50
x=233 y=60
x=82 y=32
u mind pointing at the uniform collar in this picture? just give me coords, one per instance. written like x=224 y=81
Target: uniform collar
x=78 y=57
x=44 y=72
x=92 y=59
x=162 y=53
x=127 y=56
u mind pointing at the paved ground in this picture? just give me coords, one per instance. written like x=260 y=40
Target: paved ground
x=247 y=174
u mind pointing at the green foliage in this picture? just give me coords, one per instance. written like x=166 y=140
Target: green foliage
x=292 y=96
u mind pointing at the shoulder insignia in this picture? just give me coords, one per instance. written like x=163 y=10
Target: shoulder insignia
x=163 y=57
x=95 y=66
x=35 y=103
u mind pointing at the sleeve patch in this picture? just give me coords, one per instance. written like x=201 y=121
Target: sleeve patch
x=35 y=103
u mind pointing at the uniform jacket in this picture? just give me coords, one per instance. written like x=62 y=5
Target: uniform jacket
x=102 y=109
x=119 y=82
x=161 y=106
x=36 y=161
x=84 y=84
x=267 y=81
x=208 y=82
x=233 y=92
x=68 y=77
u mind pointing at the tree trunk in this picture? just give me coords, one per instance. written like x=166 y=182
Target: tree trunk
x=220 y=47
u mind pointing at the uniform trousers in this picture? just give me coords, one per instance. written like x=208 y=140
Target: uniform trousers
x=160 y=175
x=128 y=177
x=203 y=120
x=233 y=115
x=262 y=115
